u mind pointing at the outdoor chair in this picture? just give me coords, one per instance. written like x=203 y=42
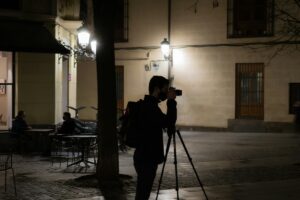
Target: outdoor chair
x=63 y=150
x=20 y=142
x=93 y=150
x=6 y=163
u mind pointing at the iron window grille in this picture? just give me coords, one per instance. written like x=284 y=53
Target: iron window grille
x=250 y=90
x=121 y=21
x=250 y=18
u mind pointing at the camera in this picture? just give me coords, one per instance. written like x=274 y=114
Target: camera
x=177 y=91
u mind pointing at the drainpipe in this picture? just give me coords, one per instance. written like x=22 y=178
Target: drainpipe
x=170 y=60
x=14 y=79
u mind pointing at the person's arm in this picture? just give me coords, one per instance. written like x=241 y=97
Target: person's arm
x=171 y=115
x=169 y=120
x=24 y=125
x=63 y=129
x=74 y=125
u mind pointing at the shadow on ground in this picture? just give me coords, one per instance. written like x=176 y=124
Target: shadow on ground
x=111 y=190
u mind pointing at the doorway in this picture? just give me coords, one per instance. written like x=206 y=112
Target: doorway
x=250 y=91
x=120 y=90
x=65 y=84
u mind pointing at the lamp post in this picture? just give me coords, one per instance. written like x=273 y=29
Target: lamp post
x=167 y=52
x=83 y=37
x=165 y=48
x=165 y=45
x=86 y=43
x=94 y=46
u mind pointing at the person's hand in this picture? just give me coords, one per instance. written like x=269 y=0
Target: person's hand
x=171 y=93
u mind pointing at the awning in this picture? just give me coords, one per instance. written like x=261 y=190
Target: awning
x=23 y=36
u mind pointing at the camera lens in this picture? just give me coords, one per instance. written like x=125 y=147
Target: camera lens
x=178 y=92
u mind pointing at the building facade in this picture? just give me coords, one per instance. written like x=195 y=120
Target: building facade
x=34 y=77
x=220 y=60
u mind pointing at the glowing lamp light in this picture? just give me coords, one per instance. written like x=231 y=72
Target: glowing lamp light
x=165 y=48
x=94 y=46
x=83 y=37
x=178 y=57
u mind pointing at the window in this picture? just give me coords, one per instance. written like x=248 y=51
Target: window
x=121 y=18
x=294 y=96
x=250 y=18
x=6 y=90
x=121 y=21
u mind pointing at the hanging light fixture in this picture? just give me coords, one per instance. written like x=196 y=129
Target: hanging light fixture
x=83 y=37
x=94 y=46
x=165 y=48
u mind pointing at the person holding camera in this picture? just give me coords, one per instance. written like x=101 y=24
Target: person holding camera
x=149 y=152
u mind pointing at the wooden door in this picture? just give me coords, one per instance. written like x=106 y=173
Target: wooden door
x=250 y=91
x=120 y=89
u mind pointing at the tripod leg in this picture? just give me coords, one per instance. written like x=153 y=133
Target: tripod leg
x=191 y=161
x=163 y=168
x=175 y=163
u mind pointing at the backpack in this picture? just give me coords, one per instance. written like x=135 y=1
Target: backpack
x=129 y=131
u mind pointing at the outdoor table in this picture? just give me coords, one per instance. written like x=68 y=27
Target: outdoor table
x=40 y=139
x=39 y=130
x=83 y=142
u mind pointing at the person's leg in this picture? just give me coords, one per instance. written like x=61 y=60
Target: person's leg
x=145 y=177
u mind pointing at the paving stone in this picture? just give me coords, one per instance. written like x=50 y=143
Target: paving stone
x=230 y=166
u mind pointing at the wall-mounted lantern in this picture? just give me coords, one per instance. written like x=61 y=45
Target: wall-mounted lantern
x=165 y=48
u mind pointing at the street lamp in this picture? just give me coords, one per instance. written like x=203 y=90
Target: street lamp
x=165 y=48
x=94 y=46
x=83 y=37
x=87 y=47
x=167 y=53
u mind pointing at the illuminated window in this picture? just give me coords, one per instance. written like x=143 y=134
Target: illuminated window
x=6 y=89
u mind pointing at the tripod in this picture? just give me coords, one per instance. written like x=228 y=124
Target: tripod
x=173 y=136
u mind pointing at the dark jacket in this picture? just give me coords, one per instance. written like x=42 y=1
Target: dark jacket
x=19 y=125
x=68 y=127
x=150 y=148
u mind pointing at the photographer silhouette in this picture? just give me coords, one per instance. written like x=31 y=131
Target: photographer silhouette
x=149 y=152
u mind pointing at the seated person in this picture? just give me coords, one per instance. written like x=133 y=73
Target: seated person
x=19 y=124
x=68 y=126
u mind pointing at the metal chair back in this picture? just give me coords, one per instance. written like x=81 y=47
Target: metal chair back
x=5 y=161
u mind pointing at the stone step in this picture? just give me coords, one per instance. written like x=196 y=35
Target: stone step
x=246 y=125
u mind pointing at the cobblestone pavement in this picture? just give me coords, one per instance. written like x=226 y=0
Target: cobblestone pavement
x=230 y=166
